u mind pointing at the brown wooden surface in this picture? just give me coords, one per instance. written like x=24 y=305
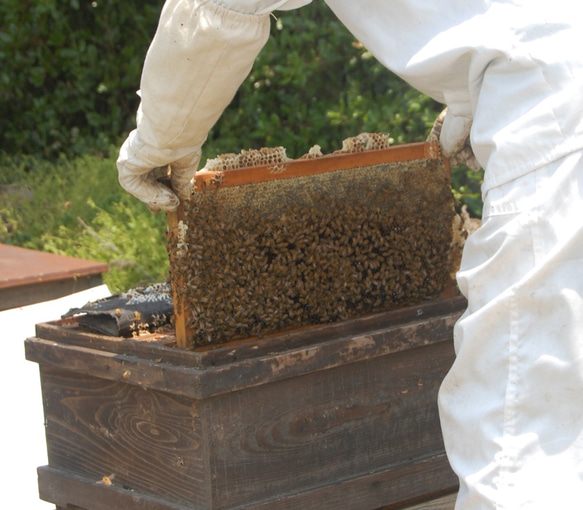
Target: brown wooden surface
x=377 y=416
x=327 y=163
x=442 y=503
x=30 y=276
x=62 y=487
x=185 y=376
x=58 y=482
x=67 y=331
x=302 y=433
x=150 y=441
x=182 y=334
x=349 y=422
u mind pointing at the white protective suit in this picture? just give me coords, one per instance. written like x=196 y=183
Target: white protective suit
x=511 y=74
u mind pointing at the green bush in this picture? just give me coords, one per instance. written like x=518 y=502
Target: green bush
x=69 y=71
x=77 y=208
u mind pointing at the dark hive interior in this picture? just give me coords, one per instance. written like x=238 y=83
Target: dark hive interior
x=266 y=257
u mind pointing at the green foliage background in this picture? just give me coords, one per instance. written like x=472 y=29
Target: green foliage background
x=69 y=71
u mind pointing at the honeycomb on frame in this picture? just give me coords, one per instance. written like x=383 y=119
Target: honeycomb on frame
x=267 y=244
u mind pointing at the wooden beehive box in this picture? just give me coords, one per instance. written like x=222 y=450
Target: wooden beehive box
x=334 y=417
x=337 y=412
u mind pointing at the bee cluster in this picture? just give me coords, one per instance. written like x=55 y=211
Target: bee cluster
x=267 y=257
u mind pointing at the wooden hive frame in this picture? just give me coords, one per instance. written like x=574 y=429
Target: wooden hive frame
x=206 y=179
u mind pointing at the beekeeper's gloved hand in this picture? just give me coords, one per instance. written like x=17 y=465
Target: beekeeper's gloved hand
x=200 y=55
x=142 y=167
x=453 y=133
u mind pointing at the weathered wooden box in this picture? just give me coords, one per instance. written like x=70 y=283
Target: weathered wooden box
x=339 y=416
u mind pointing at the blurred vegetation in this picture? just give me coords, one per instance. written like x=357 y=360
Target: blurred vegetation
x=69 y=72
x=74 y=207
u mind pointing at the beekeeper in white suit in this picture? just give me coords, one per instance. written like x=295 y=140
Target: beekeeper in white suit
x=511 y=74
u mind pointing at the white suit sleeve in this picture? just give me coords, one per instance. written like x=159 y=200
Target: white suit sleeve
x=200 y=55
x=262 y=6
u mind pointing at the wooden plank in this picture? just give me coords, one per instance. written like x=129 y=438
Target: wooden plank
x=21 y=266
x=327 y=163
x=296 y=434
x=73 y=492
x=377 y=415
x=377 y=488
x=266 y=441
x=203 y=383
x=68 y=332
x=153 y=347
x=24 y=295
x=30 y=276
x=149 y=346
x=268 y=344
x=327 y=355
x=62 y=484
x=182 y=333
x=145 y=441
x=442 y=503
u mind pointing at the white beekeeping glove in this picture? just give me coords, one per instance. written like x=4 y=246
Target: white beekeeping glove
x=199 y=57
x=453 y=133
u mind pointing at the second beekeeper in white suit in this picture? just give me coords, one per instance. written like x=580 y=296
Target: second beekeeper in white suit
x=511 y=75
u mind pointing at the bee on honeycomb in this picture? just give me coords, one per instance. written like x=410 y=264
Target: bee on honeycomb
x=268 y=256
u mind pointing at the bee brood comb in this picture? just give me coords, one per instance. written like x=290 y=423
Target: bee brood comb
x=267 y=244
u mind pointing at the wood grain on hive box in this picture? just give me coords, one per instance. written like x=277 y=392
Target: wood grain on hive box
x=337 y=416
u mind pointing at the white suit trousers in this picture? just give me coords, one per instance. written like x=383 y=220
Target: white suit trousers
x=512 y=405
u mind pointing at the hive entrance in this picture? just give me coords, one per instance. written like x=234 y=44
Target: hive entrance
x=312 y=241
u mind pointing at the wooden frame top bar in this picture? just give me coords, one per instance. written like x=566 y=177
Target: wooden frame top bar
x=313 y=166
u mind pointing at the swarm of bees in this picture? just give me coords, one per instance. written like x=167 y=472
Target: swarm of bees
x=268 y=257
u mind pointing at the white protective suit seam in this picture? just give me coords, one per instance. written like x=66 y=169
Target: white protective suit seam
x=508 y=454
x=233 y=15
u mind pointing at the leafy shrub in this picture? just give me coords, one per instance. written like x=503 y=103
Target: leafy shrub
x=69 y=71
x=77 y=208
